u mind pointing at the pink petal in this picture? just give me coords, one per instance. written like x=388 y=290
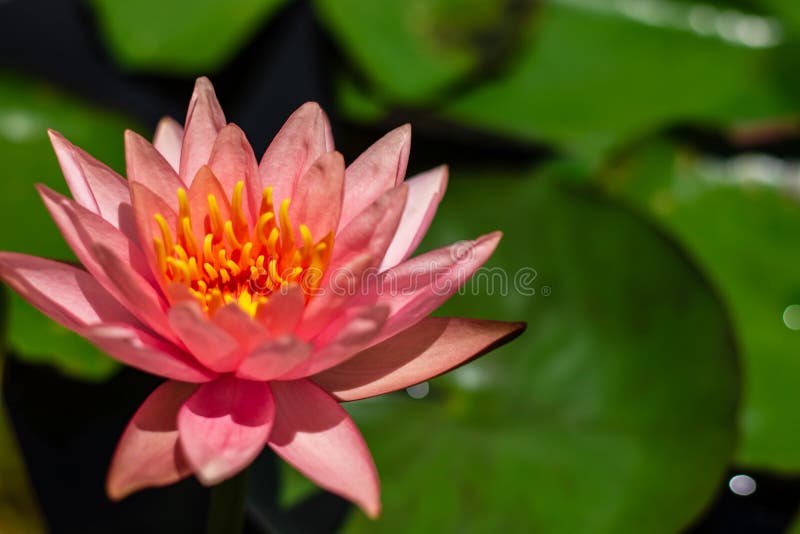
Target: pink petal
x=168 y=140
x=135 y=347
x=316 y=436
x=148 y=167
x=274 y=358
x=425 y=191
x=415 y=288
x=145 y=205
x=68 y=295
x=247 y=332
x=74 y=299
x=304 y=137
x=224 y=426
x=342 y=287
x=137 y=294
x=206 y=183
x=283 y=311
x=94 y=185
x=354 y=330
x=375 y=171
x=82 y=229
x=317 y=200
x=204 y=120
x=148 y=454
x=427 y=349
x=232 y=159
x=210 y=344
x=372 y=230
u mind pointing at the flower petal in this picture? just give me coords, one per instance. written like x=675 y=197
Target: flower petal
x=274 y=358
x=317 y=199
x=204 y=120
x=135 y=347
x=304 y=137
x=210 y=344
x=352 y=331
x=145 y=205
x=283 y=311
x=148 y=167
x=425 y=191
x=168 y=140
x=415 y=288
x=136 y=293
x=427 y=349
x=375 y=171
x=94 y=185
x=224 y=426
x=82 y=229
x=232 y=159
x=205 y=183
x=316 y=436
x=68 y=295
x=148 y=454
x=372 y=230
x=247 y=332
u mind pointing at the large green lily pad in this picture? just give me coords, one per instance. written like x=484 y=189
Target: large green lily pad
x=615 y=412
x=740 y=219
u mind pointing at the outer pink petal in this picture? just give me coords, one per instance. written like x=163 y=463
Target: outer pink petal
x=425 y=191
x=148 y=167
x=148 y=454
x=82 y=229
x=74 y=299
x=301 y=141
x=375 y=171
x=315 y=435
x=94 y=185
x=429 y=348
x=317 y=200
x=232 y=159
x=415 y=288
x=354 y=330
x=135 y=347
x=210 y=344
x=136 y=293
x=168 y=140
x=68 y=295
x=274 y=358
x=224 y=426
x=204 y=120
x=372 y=230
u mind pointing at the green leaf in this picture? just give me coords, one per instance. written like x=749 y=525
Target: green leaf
x=614 y=412
x=595 y=74
x=413 y=50
x=740 y=219
x=27 y=109
x=183 y=36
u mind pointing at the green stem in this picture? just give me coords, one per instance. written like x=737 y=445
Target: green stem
x=226 y=512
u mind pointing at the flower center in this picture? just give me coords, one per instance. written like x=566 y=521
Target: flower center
x=225 y=260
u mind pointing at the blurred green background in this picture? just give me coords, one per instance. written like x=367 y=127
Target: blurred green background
x=642 y=158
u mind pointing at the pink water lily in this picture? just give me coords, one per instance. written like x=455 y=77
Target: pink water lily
x=265 y=293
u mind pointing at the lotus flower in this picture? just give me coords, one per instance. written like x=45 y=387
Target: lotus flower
x=265 y=293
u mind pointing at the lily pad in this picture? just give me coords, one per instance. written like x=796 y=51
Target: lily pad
x=595 y=74
x=187 y=37
x=27 y=109
x=615 y=412
x=740 y=219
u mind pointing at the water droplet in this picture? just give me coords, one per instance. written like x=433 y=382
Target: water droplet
x=419 y=391
x=742 y=485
